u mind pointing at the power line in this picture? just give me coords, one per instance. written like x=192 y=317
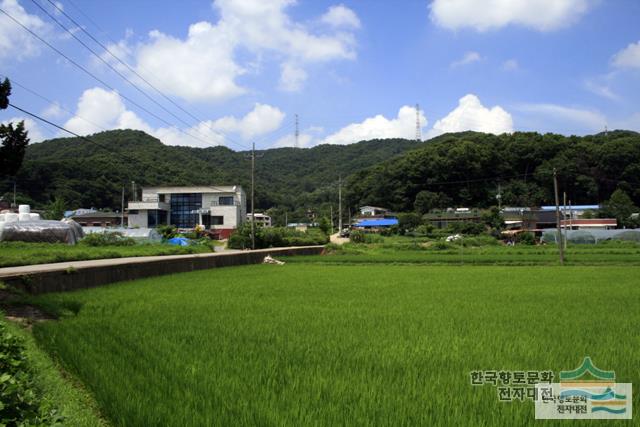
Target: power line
x=99 y=80
x=136 y=87
x=132 y=70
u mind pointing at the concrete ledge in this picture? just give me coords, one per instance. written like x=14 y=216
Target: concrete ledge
x=69 y=276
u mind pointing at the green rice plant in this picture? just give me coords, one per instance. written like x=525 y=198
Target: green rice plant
x=322 y=344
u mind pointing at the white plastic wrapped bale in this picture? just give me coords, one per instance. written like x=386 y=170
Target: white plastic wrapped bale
x=2 y=216
x=34 y=216
x=41 y=232
x=24 y=217
x=24 y=209
x=11 y=217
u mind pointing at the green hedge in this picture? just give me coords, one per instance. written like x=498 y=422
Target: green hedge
x=273 y=237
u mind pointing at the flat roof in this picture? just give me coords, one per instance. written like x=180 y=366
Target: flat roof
x=168 y=189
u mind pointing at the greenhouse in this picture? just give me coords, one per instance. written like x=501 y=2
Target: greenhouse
x=592 y=236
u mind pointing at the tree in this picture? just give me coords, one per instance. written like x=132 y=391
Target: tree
x=409 y=221
x=493 y=218
x=427 y=200
x=325 y=225
x=55 y=210
x=620 y=206
x=14 y=139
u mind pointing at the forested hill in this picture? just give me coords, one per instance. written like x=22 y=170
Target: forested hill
x=92 y=174
x=461 y=169
x=468 y=169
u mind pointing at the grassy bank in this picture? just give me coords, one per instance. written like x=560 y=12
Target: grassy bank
x=19 y=253
x=339 y=344
x=61 y=399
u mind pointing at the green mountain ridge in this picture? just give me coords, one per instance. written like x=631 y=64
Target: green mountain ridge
x=456 y=169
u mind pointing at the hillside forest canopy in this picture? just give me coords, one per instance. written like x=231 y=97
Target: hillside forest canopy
x=457 y=169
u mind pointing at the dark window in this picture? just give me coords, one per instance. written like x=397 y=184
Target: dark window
x=161 y=198
x=182 y=206
x=156 y=217
x=217 y=220
x=225 y=201
x=133 y=211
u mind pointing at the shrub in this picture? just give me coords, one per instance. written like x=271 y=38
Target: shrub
x=167 y=231
x=357 y=236
x=271 y=237
x=107 y=239
x=526 y=238
x=20 y=401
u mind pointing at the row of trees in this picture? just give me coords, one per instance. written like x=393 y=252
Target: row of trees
x=14 y=139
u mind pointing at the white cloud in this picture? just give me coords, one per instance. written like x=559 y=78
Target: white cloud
x=35 y=132
x=99 y=109
x=510 y=65
x=205 y=65
x=601 y=89
x=629 y=57
x=53 y=111
x=542 y=15
x=379 y=127
x=341 y=16
x=470 y=114
x=552 y=116
x=468 y=58
x=15 y=42
x=292 y=77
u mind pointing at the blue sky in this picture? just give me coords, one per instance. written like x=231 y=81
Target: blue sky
x=351 y=70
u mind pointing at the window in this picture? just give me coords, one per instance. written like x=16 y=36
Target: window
x=225 y=200
x=182 y=206
x=217 y=220
x=161 y=198
x=133 y=212
x=156 y=217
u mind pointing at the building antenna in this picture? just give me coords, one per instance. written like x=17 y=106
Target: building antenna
x=297 y=145
x=418 y=127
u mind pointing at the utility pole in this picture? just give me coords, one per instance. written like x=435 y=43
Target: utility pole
x=499 y=197
x=339 y=203
x=558 y=232
x=253 y=190
x=122 y=208
x=564 y=217
x=133 y=191
x=331 y=215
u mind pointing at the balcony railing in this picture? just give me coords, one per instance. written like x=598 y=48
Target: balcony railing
x=214 y=203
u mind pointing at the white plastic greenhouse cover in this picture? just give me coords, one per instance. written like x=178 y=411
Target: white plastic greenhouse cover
x=41 y=232
x=593 y=236
x=135 y=233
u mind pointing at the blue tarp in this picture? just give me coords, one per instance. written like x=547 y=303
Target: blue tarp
x=383 y=222
x=178 y=241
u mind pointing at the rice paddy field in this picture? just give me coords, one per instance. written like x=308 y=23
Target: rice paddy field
x=340 y=343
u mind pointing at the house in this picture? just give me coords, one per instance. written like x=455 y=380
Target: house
x=99 y=219
x=375 y=224
x=218 y=208
x=444 y=218
x=373 y=211
x=262 y=220
x=589 y=224
x=535 y=219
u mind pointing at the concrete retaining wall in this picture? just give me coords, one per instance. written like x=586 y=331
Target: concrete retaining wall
x=69 y=276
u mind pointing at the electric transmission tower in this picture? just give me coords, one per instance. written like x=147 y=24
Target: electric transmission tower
x=297 y=145
x=418 y=127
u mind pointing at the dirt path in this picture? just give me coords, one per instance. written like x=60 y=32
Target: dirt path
x=335 y=238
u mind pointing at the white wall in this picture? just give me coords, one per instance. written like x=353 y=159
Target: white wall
x=139 y=219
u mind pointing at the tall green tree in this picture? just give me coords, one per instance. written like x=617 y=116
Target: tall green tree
x=620 y=206
x=14 y=138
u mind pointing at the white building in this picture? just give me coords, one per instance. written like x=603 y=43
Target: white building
x=372 y=211
x=261 y=219
x=220 y=208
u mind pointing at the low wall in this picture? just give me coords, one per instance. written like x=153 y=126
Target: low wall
x=69 y=276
